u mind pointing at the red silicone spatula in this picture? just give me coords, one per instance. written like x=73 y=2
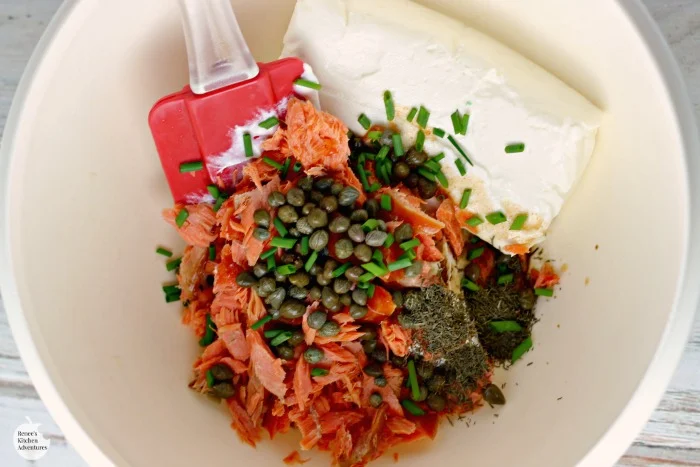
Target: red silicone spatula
x=198 y=127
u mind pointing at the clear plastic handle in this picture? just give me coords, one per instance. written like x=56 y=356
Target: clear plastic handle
x=218 y=55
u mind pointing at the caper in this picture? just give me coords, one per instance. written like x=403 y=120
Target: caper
x=527 y=299
x=363 y=252
x=436 y=383
x=318 y=240
x=375 y=400
x=359 y=215
x=399 y=361
x=246 y=279
x=357 y=311
x=412 y=180
x=414 y=270
x=376 y=238
x=381 y=225
x=372 y=207
x=296 y=339
x=348 y=196
x=323 y=184
x=493 y=395
x=285 y=352
x=328 y=297
x=316 y=196
x=379 y=354
x=299 y=293
x=473 y=272
x=266 y=286
x=274 y=314
x=369 y=346
x=276 y=199
x=262 y=218
x=373 y=369
x=292 y=309
x=287 y=214
x=353 y=274
x=426 y=188
x=422 y=394
x=221 y=372
x=340 y=224
x=380 y=381
x=313 y=355
x=300 y=279
x=359 y=296
x=341 y=285
x=329 y=329
x=336 y=307
x=288 y=258
x=403 y=233
x=315 y=269
x=401 y=170
x=329 y=203
x=436 y=402
x=296 y=197
x=370 y=333
x=260 y=269
x=345 y=299
x=223 y=390
x=322 y=279
x=415 y=159
x=260 y=233
x=317 y=218
x=317 y=319
x=329 y=267
x=294 y=232
x=425 y=369
x=306 y=209
x=336 y=188
x=306 y=183
x=315 y=293
x=304 y=227
x=356 y=233
x=343 y=248
x=397 y=296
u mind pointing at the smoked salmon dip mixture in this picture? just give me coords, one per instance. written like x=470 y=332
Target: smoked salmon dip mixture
x=337 y=291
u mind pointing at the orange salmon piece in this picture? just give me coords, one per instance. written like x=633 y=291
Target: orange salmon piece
x=267 y=368
x=232 y=335
x=396 y=338
x=406 y=207
x=380 y=306
x=242 y=423
x=198 y=229
x=446 y=214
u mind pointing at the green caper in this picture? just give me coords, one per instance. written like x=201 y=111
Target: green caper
x=348 y=196
x=380 y=381
x=328 y=297
x=375 y=238
x=223 y=390
x=345 y=299
x=426 y=188
x=322 y=279
x=306 y=183
x=401 y=170
x=493 y=395
x=266 y=286
x=340 y=224
x=412 y=180
x=316 y=196
x=323 y=184
x=359 y=215
x=285 y=352
x=369 y=346
x=296 y=197
x=306 y=209
x=363 y=252
x=317 y=319
x=359 y=296
x=260 y=269
x=294 y=232
x=287 y=214
x=356 y=233
x=353 y=274
x=329 y=329
x=370 y=333
x=292 y=309
x=527 y=299
x=276 y=199
x=414 y=270
x=318 y=240
x=436 y=383
x=315 y=293
x=300 y=279
x=288 y=258
x=372 y=207
x=329 y=203
x=221 y=372
x=343 y=248
x=422 y=394
x=399 y=362
x=379 y=354
x=425 y=369
x=274 y=314
x=473 y=272
x=260 y=233
x=415 y=159
x=373 y=369
x=403 y=233
x=381 y=225
x=436 y=402
x=357 y=311
x=341 y=285
x=262 y=218
x=296 y=339
x=304 y=227
x=313 y=355
x=317 y=218
x=315 y=269
x=375 y=400
x=298 y=293
x=329 y=267
x=336 y=188
x=397 y=296
x=246 y=279
x=336 y=307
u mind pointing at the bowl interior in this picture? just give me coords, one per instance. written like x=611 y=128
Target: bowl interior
x=86 y=193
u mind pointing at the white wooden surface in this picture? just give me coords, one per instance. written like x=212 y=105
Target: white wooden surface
x=672 y=436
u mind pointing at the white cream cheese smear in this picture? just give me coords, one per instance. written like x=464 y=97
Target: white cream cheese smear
x=360 y=48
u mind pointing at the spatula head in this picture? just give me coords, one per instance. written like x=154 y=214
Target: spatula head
x=187 y=127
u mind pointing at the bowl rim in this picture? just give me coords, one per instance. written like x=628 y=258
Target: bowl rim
x=605 y=451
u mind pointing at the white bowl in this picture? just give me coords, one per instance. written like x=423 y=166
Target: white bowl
x=81 y=218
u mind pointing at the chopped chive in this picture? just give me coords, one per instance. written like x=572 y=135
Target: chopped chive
x=370 y=290
x=438 y=158
x=272 y=163
x=268 y=253
x=272 y=333
x=271 y=264
x=518 y=222
x=398 y=144
x=288 y=269
x=248 y=145
x=409 y=254
x=309 y=262
x=427 y=174
x=420 y=140
x=214 y=191
x=281 y=338
x=505 y=326
x=374 y=268
x=543 y=292
x=473 y=286
x=191 y=166
x=285 y=167
x=279 y=225
x=423 y=116
x=364 y=121
x=383 y=152
x=209 y=334
x=456 y=122
x=370 y=224
x=307 y=84
x=173 y=264
x=432 y=165
x=520 y=350
x=285 y=243
x=389 y=240
x=496 y=217
x=474 y=239
x=212 y=252
x=412 y=408
x=304 y=245
x=474 y=221
x=505 y=279
x=513 y=148
x=365 y=285
x=363 y=176
x=378 y=257
x=465 y=123
x=442 y=179
x=164 y=251
x=399 y=264
x=297 y=166
x=374 y=187
x=181 y=217
x=319 y=372
x=210 y=378
x=412 y=114
x=439 y=132
x=172 y=298
x=465 y=198
x=366 y=277
x=261 y=322
x=340 y=270
x=269 y=123
x=460 y=167
x=475 y=253
x=410 y=244
x=219 y=201
x=374 y=135
x=386 y=202
x=389 y=105
x=459 y=149
x=171 y=289
x=382 y=172
x=413 y=379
